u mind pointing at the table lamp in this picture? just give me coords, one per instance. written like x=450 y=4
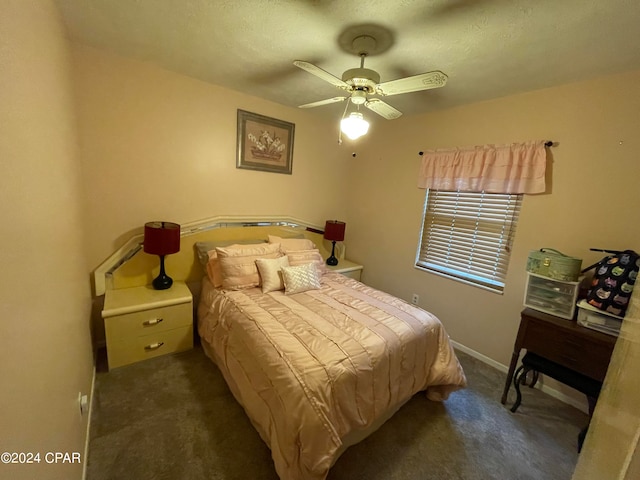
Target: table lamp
x=334 y=231
x=161 y=238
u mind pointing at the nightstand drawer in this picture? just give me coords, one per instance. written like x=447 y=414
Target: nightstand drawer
x=135 y=349
x=145 y=322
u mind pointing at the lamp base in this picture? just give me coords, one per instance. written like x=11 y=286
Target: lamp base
x=162 y=282
x=332 y=260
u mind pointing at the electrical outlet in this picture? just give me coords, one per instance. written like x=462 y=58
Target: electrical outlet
x=415 y=298
x=83 y=401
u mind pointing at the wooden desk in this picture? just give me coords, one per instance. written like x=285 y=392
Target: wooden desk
x=561 y=341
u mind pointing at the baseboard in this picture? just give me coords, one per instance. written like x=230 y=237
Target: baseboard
x=483 y=358
x=88 y=433
x=582 y=406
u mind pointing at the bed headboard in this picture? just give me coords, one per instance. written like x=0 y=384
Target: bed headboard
x=129 y=266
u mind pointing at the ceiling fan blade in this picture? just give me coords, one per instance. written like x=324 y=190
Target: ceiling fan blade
x=323 y=102
x=320 y=73
x=423 y=81
x=383 y=109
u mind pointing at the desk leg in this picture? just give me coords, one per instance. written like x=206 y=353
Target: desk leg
x=512 y=369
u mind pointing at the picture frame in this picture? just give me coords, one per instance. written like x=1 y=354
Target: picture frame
x=264 y=143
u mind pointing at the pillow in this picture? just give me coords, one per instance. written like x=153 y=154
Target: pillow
x=302 y=257
x=213 y=269
x=238 y=264
x=203 y=248
x=212 y=265
x=300 y=279
x=270 y=270
x=292 y=244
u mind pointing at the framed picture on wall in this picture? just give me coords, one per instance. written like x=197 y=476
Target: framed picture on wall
x=264 y=143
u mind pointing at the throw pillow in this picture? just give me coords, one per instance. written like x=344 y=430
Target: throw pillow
x=270 y=270
x=300 y=279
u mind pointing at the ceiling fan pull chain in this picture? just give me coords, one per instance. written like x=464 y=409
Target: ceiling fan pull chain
x=346 y=107
x=344 y=114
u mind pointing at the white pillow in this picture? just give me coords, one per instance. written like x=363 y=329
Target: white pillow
x=270 y=270
x=300 y=278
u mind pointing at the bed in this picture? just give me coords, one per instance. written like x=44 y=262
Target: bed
x=317 y=360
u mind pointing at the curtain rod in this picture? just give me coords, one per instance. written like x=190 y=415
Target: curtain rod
x=546 y=144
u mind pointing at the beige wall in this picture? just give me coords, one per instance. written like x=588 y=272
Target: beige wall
x=158 y=145
x=45 y=348
x=593 y=197
x=161 y=146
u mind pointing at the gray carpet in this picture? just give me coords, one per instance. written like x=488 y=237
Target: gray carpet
x=173 y=417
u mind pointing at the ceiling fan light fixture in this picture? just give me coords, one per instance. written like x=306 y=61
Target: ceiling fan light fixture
x=358 y=97
x=354 y=126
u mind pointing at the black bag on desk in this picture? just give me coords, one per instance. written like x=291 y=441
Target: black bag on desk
x=613 y=282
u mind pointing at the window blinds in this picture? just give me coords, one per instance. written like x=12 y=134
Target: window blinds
x=468 y=235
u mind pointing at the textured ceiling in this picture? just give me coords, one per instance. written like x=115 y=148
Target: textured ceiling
x=488 y=48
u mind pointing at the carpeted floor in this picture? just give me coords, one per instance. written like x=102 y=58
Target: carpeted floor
x=174 y=418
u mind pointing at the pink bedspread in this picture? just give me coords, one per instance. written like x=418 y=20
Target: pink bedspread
x=315 y=368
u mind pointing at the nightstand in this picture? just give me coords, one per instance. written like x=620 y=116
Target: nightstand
x=350 y=269
x=142 y=322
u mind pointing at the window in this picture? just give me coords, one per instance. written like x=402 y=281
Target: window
x=467 y=236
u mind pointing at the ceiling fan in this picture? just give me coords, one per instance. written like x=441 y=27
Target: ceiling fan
x=362 y=82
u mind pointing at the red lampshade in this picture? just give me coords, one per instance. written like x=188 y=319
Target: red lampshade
x=161 y=238
x=334 y=230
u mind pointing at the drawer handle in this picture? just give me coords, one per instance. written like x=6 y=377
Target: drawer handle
x=154 y=346
x=153 y=321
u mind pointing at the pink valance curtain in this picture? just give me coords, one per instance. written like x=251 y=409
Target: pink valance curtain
x=515 y=168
